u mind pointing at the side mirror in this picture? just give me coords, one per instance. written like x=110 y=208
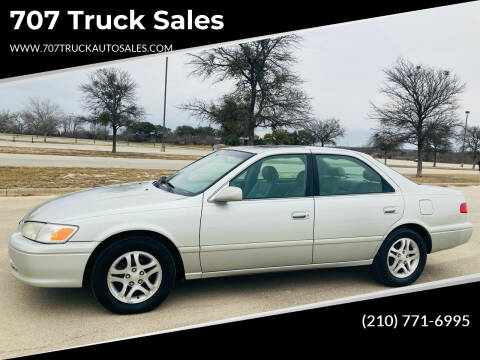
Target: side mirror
x=229 y=193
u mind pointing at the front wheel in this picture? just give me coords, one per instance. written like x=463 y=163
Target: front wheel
x=401 y=258
x=132 y=275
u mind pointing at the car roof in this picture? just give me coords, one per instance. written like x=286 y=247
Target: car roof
x=279 y=149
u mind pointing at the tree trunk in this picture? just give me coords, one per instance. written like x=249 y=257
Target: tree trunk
x=251 y=114
x=385 y=161
x=251 y=133
x=434 y=157
x=45 y=138
x=419 y=160
x=114 y=140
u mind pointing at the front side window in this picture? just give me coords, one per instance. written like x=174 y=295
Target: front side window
x=200 y=175
x=342 y=175
x=279 y=176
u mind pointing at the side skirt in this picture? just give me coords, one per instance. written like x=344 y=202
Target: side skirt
x=199 y=275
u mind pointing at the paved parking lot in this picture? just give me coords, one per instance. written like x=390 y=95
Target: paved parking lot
x=92 y=162
x=36 y=319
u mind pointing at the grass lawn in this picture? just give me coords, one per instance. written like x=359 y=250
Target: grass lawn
x=446 y=178
x=12 y=177
x=467 y=167
x=93 y=153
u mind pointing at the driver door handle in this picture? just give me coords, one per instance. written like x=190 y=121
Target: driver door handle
x=298 y=215
x=390 y=210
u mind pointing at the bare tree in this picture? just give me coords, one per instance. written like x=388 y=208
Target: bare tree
x=385 y=141
x=18 y=124
x=71 y=125
x=473 y=142
x=94 y=125
x=65 y=125
x=111 y=94
x=440 y=133
x=7 y=121
x=265 y=84
x=326 y=131
x=42 y=116
x=77 y=125
x=418 y=96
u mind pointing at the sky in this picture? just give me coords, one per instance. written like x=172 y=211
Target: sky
x=341 y=65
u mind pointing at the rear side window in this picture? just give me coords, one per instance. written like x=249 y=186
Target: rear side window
x=344 y=175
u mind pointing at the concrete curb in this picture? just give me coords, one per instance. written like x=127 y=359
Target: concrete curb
x=36 y=191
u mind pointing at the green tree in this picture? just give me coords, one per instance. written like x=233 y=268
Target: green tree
x=184 y=131
x=143 y=130
x=303 y=137
x=161 y=132
x=111 y=94
x=386 y=142
x=279 y=137
x=266 y=88
x=205 y=131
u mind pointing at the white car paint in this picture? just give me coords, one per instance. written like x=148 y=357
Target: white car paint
x=248 y=236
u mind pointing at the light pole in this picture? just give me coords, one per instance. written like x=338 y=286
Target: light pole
x=164 y=104
x=464 y=137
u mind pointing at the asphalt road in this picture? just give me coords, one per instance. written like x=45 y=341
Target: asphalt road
x=83 y=144
x=36 y=319
x=93 y=162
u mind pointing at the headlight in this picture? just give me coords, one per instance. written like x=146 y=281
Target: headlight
x=48 y=233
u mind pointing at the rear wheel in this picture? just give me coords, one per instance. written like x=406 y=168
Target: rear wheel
x=132 y=275
x=401 y=258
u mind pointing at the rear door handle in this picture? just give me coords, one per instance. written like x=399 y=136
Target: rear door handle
x=390 y=210
x=297 y=215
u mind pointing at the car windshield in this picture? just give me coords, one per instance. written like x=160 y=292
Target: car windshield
x=203 y=173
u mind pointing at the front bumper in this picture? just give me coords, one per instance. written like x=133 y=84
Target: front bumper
x=49 y=265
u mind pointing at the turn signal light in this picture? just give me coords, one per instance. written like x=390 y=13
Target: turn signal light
x=62 y=234
x=463 y=208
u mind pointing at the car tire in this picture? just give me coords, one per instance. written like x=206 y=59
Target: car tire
x=401 y=258
x=133 y=275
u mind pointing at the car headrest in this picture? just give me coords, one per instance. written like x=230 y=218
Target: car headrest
x=370 y=176
x=300 y=180
x=336 y=171
x=269 y=173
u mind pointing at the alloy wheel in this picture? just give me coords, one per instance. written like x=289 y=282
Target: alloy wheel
x=134 y=277
x=403 y=257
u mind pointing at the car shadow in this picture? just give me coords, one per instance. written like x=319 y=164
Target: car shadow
x=60 y=299
x=82 y=300
x=241 y=284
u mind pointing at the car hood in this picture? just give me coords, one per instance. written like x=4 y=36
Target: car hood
x=105 y=200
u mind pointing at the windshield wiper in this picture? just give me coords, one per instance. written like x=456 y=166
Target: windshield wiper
x=163 y=181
